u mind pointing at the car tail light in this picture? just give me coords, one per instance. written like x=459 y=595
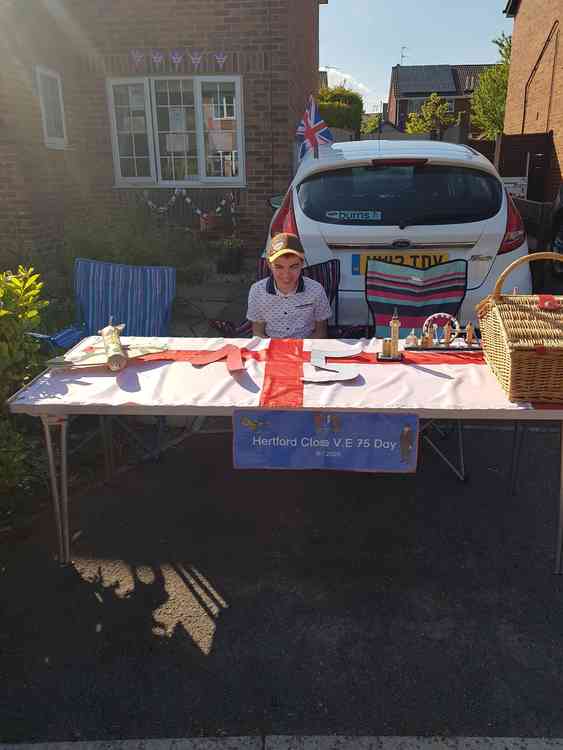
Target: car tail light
x=284 y=220
x=515 y=234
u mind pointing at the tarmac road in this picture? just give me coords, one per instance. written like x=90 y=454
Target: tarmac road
x=208 y=602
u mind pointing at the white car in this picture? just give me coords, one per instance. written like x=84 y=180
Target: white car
x=410 y=202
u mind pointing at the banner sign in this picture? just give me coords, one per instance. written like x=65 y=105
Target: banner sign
x=344 y=441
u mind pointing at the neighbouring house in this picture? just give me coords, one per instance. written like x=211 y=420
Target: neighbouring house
x=107 y=101
x=411 y=85
x=534 y=102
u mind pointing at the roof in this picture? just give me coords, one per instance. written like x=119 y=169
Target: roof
x=439 y=79
x=349 y=153
x=511 y=8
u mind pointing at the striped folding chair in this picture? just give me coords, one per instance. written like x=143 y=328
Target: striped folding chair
x=416 y=293
x=139 y=296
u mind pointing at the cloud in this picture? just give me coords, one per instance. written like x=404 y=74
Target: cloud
x=336 y=77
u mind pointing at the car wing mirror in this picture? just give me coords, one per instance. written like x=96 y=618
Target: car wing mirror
x=275 y=202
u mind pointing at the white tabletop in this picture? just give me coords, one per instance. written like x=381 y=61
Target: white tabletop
x=461 y=391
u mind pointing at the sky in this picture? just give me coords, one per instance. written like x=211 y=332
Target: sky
x=361 y=40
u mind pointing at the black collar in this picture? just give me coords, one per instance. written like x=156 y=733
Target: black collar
x=271 y=287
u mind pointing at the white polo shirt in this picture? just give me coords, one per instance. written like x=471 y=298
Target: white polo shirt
x=288 y=316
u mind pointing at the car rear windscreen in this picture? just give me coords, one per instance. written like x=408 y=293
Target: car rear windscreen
x=390 y=195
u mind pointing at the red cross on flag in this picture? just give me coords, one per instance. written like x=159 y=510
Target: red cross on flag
x=312 y=131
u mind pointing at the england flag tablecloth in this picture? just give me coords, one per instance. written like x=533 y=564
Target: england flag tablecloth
x=429 y=383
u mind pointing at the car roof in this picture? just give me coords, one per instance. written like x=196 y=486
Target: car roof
x=351 y=153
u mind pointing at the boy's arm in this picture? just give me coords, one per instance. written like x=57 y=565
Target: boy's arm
x=259 y=328
x=321 y=330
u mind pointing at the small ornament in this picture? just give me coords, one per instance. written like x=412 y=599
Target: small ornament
x=116 y=357
x=412 y=339
x=395 y=325
x=196 y=57
x=138 y=57
x=447 y=333
x=157 y=57
x=470 y=334
x=177 y=57
x=221 y=59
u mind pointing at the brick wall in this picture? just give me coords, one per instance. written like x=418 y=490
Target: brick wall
x=535 y=99
x=271 y=44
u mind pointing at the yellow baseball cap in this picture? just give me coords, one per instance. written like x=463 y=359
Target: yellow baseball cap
x=285 y=244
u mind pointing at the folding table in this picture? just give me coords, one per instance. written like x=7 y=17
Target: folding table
x=432 y=385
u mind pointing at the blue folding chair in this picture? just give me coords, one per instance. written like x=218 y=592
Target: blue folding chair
x=139 y=296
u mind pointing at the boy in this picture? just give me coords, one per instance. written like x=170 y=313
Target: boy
x=287 y=304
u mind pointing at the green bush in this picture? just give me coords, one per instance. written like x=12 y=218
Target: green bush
x=341 y=108
x=133 y=237
x=20 y=360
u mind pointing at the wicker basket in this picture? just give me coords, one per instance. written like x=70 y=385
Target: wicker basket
x=522 y=339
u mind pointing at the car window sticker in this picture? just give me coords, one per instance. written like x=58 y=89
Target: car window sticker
x=346 y=215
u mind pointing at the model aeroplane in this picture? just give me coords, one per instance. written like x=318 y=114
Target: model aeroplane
x=110 y=353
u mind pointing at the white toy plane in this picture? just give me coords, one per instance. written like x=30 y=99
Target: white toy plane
x=110 y=353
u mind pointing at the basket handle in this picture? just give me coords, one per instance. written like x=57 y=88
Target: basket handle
x=520 y=261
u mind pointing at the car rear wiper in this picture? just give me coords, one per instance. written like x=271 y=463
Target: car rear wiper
x=431 y=218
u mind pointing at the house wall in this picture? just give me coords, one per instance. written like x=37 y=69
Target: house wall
x=39 y=186
x=271 y=44
x=535 y=99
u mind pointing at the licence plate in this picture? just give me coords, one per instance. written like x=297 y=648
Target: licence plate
x=416 y=260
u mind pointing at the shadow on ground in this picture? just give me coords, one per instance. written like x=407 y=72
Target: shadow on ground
x=204 y=601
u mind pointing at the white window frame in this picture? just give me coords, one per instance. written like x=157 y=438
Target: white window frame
x=155 y=179
x=50 y=141
x=119 y=179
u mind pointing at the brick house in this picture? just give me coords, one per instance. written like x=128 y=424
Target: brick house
x=411 y=85
x=107 y=101
x=534 y=102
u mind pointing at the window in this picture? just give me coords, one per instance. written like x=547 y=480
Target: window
x=389 y=195
x=177 y=131
x=415 y=104
x=50 y=90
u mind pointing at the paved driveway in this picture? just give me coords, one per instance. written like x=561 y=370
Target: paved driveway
x=205 y=601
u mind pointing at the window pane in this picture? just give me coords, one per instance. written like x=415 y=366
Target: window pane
x=192 y=167
x=141 y=143
x=161 y=88
x=121 y=95
x=188 y=92
x=49 y=86
x=166 y=168
x=163 y=119
x=123 y=119
x=176 y=130
x=174 y=89
x=132 y=132
x=127 y=168
x=389 y=195
x=220 y=129
x=143 y=168
x=125 y=143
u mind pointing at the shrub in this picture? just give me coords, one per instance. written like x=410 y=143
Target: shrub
x=20 y=360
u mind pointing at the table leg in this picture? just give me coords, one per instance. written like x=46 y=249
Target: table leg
x=516 y=450
x=560 y=527
x=60 y=496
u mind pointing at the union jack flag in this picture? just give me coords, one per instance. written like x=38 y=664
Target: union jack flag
x=312 y=130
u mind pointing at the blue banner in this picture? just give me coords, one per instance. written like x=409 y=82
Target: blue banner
x=345 y=441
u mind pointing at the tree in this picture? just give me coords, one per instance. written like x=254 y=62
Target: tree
x=433 y=117
x=371 y=124
x=489 y=98
x=341 y=108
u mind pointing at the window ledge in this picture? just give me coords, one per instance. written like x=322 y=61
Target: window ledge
x=59 y=146
x=198 y=185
